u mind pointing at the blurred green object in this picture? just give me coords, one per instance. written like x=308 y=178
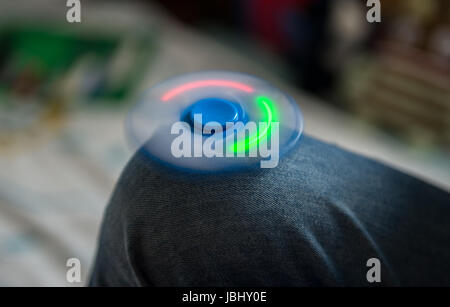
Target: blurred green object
x=48 y=61
x=47 y=69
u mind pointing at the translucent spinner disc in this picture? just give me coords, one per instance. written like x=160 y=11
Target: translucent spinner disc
x=215 y=120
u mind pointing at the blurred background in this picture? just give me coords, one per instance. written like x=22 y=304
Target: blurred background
x=379 y=89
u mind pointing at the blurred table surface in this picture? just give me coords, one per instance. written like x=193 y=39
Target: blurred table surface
x=52 y=194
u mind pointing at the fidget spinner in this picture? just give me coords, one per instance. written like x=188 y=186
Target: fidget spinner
x=214 y=120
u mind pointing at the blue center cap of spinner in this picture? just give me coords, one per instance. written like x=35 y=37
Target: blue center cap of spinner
x=215 y=110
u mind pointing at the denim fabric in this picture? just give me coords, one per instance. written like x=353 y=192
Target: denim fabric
x=314 y=220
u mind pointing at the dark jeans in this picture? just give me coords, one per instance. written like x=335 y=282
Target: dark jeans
x=314 y=220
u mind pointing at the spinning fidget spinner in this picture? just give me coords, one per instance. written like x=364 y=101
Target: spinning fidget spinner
x=214 y=120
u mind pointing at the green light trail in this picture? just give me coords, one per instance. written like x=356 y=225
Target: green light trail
x=270 y=115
